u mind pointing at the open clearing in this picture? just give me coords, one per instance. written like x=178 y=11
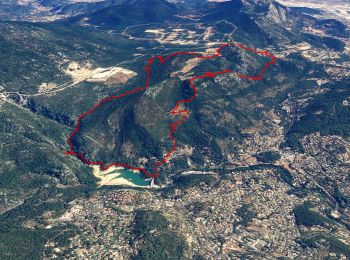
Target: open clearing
x=106 y=76
x=182 y=34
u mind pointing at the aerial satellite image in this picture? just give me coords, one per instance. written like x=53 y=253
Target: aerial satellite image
x=174 y=129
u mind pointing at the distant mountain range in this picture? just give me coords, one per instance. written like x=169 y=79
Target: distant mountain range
x=51 y=10
x=129 y=13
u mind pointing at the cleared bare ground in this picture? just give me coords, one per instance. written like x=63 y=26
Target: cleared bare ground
x=111 y=75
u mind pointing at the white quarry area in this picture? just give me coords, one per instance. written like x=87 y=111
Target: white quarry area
x=181 y=36
x=109 y=75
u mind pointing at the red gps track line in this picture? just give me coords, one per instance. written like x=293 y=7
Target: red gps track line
x=175 y=111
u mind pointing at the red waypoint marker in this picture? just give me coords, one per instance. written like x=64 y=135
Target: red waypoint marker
x=175 y=111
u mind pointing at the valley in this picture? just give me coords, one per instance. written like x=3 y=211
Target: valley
x=339 y=9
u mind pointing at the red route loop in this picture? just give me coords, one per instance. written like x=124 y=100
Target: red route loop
x=175 y=111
